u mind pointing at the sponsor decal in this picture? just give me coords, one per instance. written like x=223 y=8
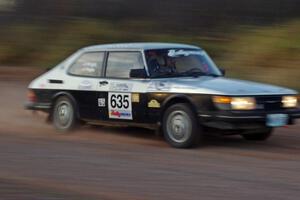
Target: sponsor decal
x=159 y=86
x=85 y=85
x=101 y=102
x=92 y=65
x=153 y=104
x=120 y=87
x=187 y=87
x=177 y=53
x=120 y=114
x=135 y=97
x=119 y=105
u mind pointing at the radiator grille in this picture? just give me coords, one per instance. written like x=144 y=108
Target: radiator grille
x=269 y=103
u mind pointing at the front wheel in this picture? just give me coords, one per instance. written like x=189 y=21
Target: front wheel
x=259 y=136
x=180 y=126
x=64 y=115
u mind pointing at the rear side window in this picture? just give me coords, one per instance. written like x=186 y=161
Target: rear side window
x=88 y=64
x=119 y=64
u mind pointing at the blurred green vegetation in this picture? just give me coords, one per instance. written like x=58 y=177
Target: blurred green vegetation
x=261 y=53
x=269 y=54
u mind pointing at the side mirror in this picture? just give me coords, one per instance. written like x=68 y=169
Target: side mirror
x=138 y=73
x=223 y=71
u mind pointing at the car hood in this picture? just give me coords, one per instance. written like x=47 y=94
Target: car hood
x=225 y=86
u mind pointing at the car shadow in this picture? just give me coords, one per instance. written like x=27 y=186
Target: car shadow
x=125 y=131
x=152 y=138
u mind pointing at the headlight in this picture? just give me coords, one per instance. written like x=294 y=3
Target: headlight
x=243 y=103
x=289 y=101
x=234 y=103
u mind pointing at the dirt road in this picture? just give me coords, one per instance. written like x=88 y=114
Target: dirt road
x=36 y=163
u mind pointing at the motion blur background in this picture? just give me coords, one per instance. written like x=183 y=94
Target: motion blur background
x=257 y=39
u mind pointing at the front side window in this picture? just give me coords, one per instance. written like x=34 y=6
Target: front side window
x=119 y=64
x=180 y=62
x=88 y=64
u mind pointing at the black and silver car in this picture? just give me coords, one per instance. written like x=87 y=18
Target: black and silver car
x=174 y=88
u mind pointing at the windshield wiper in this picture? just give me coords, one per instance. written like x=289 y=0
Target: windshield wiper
x=196 y=72
x=165 y=75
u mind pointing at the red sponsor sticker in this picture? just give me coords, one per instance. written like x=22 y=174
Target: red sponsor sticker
x=115 y=113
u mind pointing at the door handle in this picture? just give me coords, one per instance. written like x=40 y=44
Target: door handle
x=103 y=83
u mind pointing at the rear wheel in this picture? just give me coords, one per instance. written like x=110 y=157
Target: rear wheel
x=64 y=115
x=180 y=126
x=259 y=136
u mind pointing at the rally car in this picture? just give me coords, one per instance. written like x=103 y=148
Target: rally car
x=175 y=88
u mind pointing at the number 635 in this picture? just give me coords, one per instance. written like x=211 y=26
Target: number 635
x=119 y=101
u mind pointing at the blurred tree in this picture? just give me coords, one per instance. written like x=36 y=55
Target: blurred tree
x=170 y=11
x=7 y=5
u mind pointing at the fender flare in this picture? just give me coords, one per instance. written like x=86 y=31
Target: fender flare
x=177 y=98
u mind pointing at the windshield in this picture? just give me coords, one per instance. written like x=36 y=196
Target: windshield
x=180 y=62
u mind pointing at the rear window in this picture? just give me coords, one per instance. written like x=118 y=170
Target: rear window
x=88 y=64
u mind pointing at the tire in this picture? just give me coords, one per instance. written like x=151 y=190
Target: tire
x=180 y=127
x=64 y=115
x=260 y=136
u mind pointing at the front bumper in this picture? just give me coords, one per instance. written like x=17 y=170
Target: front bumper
x=238 y=120
x=38 y=106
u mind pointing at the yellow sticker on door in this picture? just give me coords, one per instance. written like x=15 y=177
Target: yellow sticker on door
x=135 y=97
x=153 y=104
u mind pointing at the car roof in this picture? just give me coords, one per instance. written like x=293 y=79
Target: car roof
x=139 y=46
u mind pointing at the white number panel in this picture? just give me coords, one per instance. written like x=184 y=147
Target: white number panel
x=119 y=106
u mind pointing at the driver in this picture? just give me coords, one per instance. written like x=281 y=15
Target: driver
x=167 y=64
x=170 y=64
